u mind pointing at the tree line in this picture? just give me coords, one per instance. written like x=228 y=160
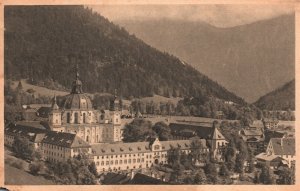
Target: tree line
x=44 y=43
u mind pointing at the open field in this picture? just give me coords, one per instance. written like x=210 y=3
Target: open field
x=42 y=91
x=15 y=176
x=286 y=123
x=158 y=99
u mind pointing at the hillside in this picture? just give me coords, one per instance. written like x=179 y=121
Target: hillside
x=282 y=98
x=38 y=91
x=249 y=60
x=44 y=43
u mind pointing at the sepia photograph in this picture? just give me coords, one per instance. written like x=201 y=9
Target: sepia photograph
x=149 y=94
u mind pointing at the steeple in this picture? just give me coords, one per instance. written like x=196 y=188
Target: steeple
x=54 y=104
x=114 y=103
x=77 y=73
x=77 y=84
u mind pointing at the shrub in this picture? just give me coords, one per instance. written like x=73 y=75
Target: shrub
x=35 y=167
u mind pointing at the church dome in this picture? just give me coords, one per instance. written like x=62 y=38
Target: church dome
x=78 y=101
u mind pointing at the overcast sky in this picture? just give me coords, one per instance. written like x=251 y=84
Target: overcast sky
x=217 y=15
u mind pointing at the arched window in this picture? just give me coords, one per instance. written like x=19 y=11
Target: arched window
x=87 y=138
x=76 y=118
x=83 y=117
x=68 y=117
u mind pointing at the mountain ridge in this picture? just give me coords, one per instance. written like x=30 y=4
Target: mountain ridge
x=283 y=98
x=265 y=49
x=44 y=43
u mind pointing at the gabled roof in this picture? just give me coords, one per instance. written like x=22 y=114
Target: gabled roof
x=283 y=146
x=79 y=143
x=138 y=147
x=44 y=111
x=217 y=135
x=250 y=132
x=115 y=179
x=253 y=139
x=37 y=135
x=24 y=131
x=31 y=124
x=181 y=144
x=37 y=106
x=203 y=132
x=265 y=157
x=64 y=140
x=257 y=123
x=272 y=134
x=120 y=148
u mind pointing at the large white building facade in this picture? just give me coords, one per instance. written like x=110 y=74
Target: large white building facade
x=78 y=116
x=137 y=155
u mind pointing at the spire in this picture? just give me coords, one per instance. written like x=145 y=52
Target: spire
x=115 y=93
x=20 y=86
x=77 y=73
x=54 y=104
x=114 y=103
x=77 y=84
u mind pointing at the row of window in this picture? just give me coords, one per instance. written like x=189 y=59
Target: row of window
x=117 y=162
x=119 y=168
x=133 y=155
x=125 y=155
x=52 y=146
x=53 y=153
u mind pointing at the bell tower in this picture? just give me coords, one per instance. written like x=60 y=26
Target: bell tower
x=115 y=118
x=115 y=113
x=55 y=114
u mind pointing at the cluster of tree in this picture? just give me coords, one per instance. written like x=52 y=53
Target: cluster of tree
x=15 y=98
x=151 y=107
x=211 y=108
x=78 y=170
x=236 y=154
x=44 y=43
x=194 y=162
x=280 y=115
x=287 y=175
x=282 y=98
x=142 y=130
x=23 y=148
x=266 y=176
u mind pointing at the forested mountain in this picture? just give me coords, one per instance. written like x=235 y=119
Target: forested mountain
x=249 y=60
x=282 y=98
x=44 y=43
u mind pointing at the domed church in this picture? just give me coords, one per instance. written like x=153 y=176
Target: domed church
x=79 y=117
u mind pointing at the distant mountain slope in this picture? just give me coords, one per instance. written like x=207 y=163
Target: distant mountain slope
x=44 y=43
x=249 y=60
x=282 y=98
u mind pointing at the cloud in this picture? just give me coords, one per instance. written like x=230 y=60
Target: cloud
x=217 y=15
